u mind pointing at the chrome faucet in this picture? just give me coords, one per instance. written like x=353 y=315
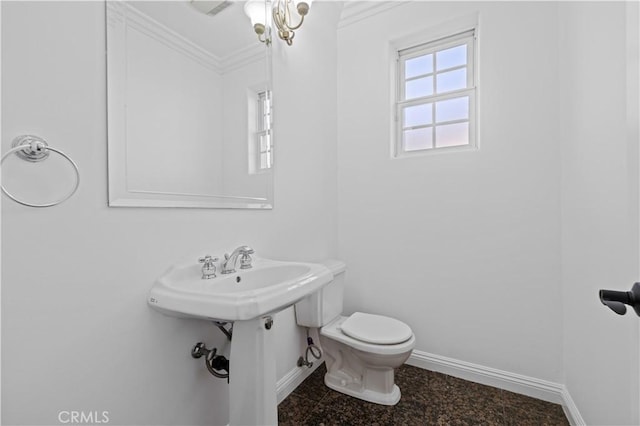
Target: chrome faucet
x=208 y=267
x=229 y=264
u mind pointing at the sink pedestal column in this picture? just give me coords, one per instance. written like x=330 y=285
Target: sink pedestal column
x=252 y=374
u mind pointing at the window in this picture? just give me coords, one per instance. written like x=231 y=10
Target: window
x=435 y=108
x=260 y=142
x=263 y=135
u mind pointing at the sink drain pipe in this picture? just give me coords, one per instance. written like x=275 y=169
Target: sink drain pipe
x=215 y=363
x=312 y=349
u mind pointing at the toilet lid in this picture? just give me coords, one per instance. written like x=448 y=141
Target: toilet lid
x=376 y=329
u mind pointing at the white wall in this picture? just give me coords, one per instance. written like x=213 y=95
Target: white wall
x=464 y=247
x=76 y=331
x=174 y=106
x=599 y=205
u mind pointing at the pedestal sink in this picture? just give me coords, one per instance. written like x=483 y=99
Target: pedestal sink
x=247 y=298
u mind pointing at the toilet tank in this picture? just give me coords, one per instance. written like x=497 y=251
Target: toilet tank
x=319 y=308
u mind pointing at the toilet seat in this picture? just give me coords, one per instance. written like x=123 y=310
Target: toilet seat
x=333 y=330
x=376 y=329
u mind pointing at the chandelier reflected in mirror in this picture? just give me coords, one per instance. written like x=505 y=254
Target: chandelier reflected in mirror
x=288 y=16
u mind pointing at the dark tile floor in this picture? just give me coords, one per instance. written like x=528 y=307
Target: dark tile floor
x=428 y=398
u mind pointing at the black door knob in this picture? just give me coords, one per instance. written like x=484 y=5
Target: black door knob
x=616 y=300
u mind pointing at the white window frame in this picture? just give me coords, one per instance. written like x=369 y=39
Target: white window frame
x=264 y=130
x=260 y=110
x=416 y=49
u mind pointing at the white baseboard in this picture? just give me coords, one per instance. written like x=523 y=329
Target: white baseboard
x=571 y=409
x=293 y=378
x=529 y=386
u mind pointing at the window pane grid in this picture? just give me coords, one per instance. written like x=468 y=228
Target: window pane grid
x=439 y=123
x=443 y=123
x=435 y=107
x=442 y=71
x=263 y=134
x=433 y=116
x=417 y=127
x=418 y=77
x=447 y=79
x=431 y=84
x=437 y=97
x=429 y=137
x=458 y=67
x=452 y=76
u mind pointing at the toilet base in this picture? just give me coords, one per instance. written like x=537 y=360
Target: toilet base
x=356 y=390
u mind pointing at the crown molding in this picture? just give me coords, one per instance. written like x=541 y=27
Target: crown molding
x=135 y=19
x=242 y=57
x=355 y=11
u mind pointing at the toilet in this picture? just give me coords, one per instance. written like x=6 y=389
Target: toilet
x=361 y=350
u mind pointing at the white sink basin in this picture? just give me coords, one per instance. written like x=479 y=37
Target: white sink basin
x=268 y=287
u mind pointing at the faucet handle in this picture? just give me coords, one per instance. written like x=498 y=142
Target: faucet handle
x=209 y=267
x=207 y=259
x=245 y=260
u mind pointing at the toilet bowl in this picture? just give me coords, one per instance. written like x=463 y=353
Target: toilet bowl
x=361 y=350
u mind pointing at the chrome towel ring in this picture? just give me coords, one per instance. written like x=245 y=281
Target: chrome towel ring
x=34 y=149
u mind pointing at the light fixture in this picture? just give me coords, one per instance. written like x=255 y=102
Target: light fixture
x=284 y=13
x=255 y=10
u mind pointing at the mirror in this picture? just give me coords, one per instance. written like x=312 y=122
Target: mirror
x=189 y=106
